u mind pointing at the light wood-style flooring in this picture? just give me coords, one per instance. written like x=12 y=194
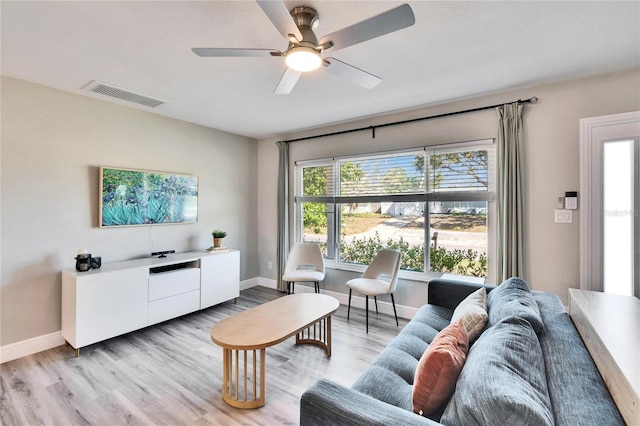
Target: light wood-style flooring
x=171 y=373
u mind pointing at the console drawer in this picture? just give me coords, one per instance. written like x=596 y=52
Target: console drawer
x=172 y=307
x=167 y=284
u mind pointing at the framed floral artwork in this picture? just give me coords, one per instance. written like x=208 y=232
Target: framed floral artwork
x=138 y=197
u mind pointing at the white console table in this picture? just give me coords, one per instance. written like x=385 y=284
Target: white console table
x=125 y=296
x=609 y=325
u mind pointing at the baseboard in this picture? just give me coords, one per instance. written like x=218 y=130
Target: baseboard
x=251 y=282
x=267 y=282
x=30 y=346
x=264 y=282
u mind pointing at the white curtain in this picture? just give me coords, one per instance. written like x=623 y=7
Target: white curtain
x=283 y=212
x=510 y=196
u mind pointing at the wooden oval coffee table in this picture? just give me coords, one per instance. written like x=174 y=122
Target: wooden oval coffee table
x=307 y=315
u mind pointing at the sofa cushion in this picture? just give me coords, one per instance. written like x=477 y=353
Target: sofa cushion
x=386 y=386
x=503 y=381
x=421 y=330
x=513 y=298
x=576 y=388
x=390 y=376
x=473 y=313
x=439 y=368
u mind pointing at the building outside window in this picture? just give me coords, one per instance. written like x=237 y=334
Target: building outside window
x=432 y=204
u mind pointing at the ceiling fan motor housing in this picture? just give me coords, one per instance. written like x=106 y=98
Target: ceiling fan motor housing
x=306 y=19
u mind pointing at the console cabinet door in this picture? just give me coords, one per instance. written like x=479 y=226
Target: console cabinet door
x=219 y=278
x=106 y=304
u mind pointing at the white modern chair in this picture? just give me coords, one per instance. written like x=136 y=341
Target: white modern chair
x=304 y=264
x=386 y=263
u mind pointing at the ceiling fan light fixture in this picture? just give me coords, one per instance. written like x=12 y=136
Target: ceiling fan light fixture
x=303 y=59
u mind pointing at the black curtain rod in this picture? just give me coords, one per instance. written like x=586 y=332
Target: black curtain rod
x=531 y=100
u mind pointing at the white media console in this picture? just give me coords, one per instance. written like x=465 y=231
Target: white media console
x=125 y=296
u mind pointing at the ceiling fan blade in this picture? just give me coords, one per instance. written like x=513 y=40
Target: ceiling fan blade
x=379 y=25
x=231 y=52
x=287 y=82
x=351 y=73
x=279 y=15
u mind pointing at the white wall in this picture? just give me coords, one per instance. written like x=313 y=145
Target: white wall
x=53 y=144
x=551 y=130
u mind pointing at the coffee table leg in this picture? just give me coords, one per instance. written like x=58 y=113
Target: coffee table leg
x=329 y=336
x=317 y=334
x=236 y=374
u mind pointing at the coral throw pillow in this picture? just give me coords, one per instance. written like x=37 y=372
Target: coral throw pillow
x=439 y=367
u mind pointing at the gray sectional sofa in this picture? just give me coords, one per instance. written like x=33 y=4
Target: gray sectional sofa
x=528 y=367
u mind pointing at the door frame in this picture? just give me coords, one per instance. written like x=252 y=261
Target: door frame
x=591 y=239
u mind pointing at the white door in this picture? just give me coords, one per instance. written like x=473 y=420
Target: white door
x=610 y=187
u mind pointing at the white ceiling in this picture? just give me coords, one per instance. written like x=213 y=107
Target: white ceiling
x=455 y=50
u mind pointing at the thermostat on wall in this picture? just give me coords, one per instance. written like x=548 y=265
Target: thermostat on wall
x=571 y=200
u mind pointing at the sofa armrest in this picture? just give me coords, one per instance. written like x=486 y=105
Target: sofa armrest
x=449 y=293
x=328 y=403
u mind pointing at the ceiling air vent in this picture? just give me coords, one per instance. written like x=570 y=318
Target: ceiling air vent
x=124 y=94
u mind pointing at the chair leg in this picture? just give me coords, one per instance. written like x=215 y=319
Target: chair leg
x=349 y=308
x=375 y=299
x=317 y=287
x=366 y=309
x=288 y=287
x=394 y=309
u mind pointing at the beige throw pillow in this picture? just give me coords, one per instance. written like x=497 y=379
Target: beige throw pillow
x=473 y=313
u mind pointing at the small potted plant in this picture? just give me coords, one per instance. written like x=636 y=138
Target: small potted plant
x=218 y=236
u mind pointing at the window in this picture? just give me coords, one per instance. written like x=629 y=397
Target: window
x=621 y=220
x=430 y=204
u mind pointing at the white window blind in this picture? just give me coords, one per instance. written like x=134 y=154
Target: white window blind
x=434 y=175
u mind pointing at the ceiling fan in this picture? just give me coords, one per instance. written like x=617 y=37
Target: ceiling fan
x=304 y=52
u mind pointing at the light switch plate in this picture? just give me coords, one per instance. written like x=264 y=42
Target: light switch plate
x=563 y=216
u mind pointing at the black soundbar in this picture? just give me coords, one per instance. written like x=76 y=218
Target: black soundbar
x=162 y=253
